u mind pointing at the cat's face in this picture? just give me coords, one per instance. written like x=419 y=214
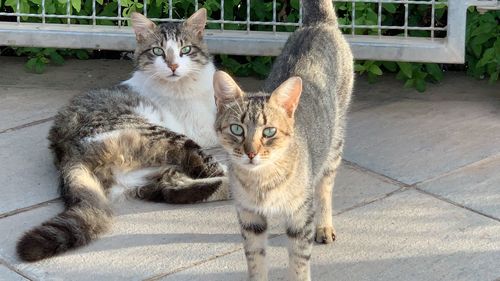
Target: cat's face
x=255 y=129
x=170 y=51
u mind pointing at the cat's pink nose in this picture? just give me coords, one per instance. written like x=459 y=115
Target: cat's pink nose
x=251 y=155
x=173 y=66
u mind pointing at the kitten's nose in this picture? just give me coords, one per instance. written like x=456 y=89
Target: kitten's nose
x=251 y=155
x=173 y=66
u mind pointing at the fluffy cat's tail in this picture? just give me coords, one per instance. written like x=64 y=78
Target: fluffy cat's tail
x=88 y=214
x=318 y=11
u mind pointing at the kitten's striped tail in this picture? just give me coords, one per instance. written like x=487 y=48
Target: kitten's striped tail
x=88 y=215
x=318 y=11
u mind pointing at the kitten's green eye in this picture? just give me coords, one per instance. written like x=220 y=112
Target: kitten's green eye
x=158 y=51
x=186 y=50
x=269 y=132
x=236 y=130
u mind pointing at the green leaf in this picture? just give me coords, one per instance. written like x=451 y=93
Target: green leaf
x=391 y=66
x=375 y=69
x=77 y=5
x=494 y=76
x=434 y=70
x=56 y=58
x=372 y=78
x=481 y=38
x=409 y=83
x=11 y=3
x=231 y=64
x=406 y=69
x=389 y=7
x=488 y=57
x=82 y=54
x=477 y=49
x=24 y=7
x=359 y=68
x=260 y=68
x=30 y=64
x=40 y=65
x=420 y=85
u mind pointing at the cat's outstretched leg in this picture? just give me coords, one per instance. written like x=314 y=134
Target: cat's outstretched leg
x=175 y=187
x=325 y=232
x=254 y=231
x=184 y=173
x=300 y=232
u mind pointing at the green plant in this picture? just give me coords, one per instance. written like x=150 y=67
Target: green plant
x=39 y=58
x=483 y=44
x=483 y=32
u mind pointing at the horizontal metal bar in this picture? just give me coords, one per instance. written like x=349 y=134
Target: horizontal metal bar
x=417 y=2
x=483 y=3
x=226 y=42
x=425 y=28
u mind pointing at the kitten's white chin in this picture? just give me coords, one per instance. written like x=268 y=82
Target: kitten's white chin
x=251 y=165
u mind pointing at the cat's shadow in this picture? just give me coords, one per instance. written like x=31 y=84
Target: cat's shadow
x=121 y=241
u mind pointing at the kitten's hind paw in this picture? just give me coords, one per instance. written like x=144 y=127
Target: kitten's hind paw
x=325 y=235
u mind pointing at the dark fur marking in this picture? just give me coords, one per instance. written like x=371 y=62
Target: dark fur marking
x=193 y=194
x=254 y=228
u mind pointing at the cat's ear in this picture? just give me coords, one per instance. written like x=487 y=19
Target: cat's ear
x=197 y=22
x=142 y=26
x=225 y=88
x=287 y=95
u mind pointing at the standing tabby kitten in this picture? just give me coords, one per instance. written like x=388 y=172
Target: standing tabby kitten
x=131 y=138
x=284 y=153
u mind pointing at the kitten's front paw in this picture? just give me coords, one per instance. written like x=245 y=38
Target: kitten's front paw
x=325 y=235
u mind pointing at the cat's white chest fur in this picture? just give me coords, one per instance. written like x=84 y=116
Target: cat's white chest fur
x=184 y=106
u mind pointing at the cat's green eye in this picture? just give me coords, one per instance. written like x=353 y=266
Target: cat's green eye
x=269 y=132
x=186 y=50
x=158 y=51
x=236 y=130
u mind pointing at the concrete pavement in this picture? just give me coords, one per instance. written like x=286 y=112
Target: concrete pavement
x=417 y=197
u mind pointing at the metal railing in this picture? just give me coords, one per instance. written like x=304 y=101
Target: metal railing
x=438 y=43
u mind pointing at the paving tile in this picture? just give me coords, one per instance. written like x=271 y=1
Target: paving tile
x=407 y=236
x=413 y=140
x=28 y=175
x=476 y=187
x=146 y=239
x=160 y=238
x=77 y=75
x=20 y=106
x=353 y=187
x=9 y=275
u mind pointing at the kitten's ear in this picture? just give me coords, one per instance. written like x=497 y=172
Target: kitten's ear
x=197 y=22
x=287 y=95
x=142 y=26
x=225 y=88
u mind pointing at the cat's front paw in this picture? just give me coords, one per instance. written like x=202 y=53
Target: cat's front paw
x=325 y=235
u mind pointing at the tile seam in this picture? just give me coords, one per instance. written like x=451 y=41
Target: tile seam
x=456 y=204
x=27 y=125
x=29 y=208
x=17 y=271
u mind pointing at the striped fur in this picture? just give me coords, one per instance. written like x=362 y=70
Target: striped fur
x=102 y=137
x=291 y=172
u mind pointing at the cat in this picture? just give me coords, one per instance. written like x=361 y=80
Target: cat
x=285 y=143
x=142 y=138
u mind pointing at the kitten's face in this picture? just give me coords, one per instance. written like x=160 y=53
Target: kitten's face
x=255 y=130
x=170 y=51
